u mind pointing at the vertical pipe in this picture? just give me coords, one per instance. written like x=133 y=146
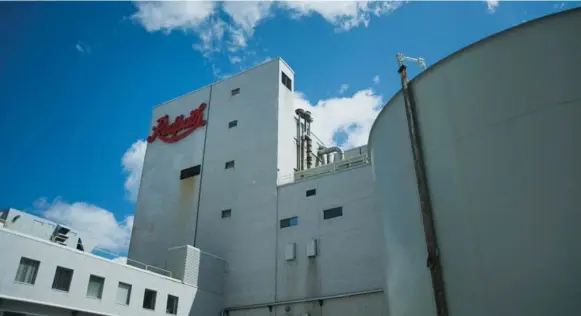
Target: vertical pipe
x=202 y=165
x=433 y=260
x=298 y=144
x=309 y=146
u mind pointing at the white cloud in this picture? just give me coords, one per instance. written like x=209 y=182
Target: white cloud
x=96 y=225
x=82 y=47
x=235 y=59
x=122 y=260
x=351 y=115
x=245 y=16
x=376 y=79
x=345 y=15
x=343 y=88
x=169 y=15
x=132 y=162
x=492 y=5
x=218 y=35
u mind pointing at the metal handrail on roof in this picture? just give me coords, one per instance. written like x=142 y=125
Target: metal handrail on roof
x=135 y=263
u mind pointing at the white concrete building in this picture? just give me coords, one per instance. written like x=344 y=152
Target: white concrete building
x=241 y=211
x=224 y=188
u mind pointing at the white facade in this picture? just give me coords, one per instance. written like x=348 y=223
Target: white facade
x=499 y=126
x=262 y=146
x=36 y=293
x=219 y=222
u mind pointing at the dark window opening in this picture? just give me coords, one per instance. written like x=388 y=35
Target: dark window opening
x=62 y=279
x=149 y=299
x=333 y=212
x=80 y=245
x=311 y=192
x=229 y=164
x=288 y=222
x=172 y=305
x=27 y=271
x=233 y=124
x=226 y=213
x=235 y=91
x=286 y=81
x=95 y=286
x=190 y=172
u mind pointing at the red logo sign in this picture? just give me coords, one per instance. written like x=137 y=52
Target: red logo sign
x=180 y=128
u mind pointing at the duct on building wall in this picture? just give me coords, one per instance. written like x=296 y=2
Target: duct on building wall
x=328 y=150
x=309 y=150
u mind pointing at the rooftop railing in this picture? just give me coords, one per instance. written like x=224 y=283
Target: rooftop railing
x=341 y=165
x=134 y=263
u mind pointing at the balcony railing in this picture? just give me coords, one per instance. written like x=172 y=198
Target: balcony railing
x=340 y=165
x=134 y=263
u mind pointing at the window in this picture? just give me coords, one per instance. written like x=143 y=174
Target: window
x=226 y=213
x=123 y=293
x=27 y=271
x=235 y=91
x=229 y=164
x=95 y=287
x=62 y=279
x=233 y=124
x=311 y=192
x=288 y=222
x=333 y=212
x=190 y=172
x=149 y=299
x=286 y=81
x=172 y=305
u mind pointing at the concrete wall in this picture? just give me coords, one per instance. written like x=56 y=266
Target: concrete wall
x=347 y=259
x=262 y=145
x=41 y=296
x=499 y=123
x=287 y=128
x=366 y=304
x=248 y=189
x=166 y=210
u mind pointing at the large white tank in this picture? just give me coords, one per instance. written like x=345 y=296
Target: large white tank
x=501 y=131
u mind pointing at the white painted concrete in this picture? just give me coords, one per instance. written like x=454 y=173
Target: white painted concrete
x=499 y=124
x=41 y=298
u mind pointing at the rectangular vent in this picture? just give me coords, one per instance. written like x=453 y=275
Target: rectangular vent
x=229 y=164
x=233 y=124
x=286 y=81
x=288 y=222
x=311 y=192
x=235 y=91
x=333 y=212
x=226 y=213
x=190 y=172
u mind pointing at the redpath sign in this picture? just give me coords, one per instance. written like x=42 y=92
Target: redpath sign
x=180 y=128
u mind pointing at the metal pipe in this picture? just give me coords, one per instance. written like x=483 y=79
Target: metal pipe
x=309 y=145
x=433 y=260
x=328 y=150
x=301 y=113
x=298 y=166
x=304 y=300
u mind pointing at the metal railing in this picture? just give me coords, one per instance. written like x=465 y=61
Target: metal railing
x=134 y=263
x=340 y=165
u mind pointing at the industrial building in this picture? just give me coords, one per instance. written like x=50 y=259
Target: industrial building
x=499 y=127
x=239 y=218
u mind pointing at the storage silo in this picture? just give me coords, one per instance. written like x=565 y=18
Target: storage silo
x=500 y=126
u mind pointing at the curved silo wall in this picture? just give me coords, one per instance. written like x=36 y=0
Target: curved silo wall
x=501 y=131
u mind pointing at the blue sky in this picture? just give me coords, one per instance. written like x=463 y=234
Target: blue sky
x=79 y=79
